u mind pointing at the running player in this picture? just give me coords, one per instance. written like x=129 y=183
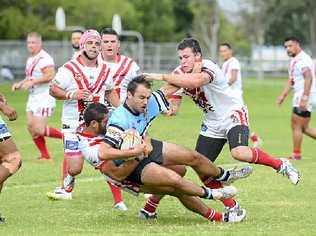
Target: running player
x=10 y=157
x=78 y=82
x=302 y=81
x=225 y=116
x=39 y=72
x=232 y=72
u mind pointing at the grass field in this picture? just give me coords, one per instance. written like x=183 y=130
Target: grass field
x=274 y=206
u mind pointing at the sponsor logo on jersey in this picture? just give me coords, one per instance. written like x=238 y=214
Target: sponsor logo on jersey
x=203 y=128
x=71 y=145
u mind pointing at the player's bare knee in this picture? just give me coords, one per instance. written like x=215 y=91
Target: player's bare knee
x=238 y=153
x=175 y=180
x=194 y=159
x=12 y=162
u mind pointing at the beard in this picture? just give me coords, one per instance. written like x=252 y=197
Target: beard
x=86 y=55
x=76 y=47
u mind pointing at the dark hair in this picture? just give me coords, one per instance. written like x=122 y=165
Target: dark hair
x=190 y=43
x=292 y=38
x=109 y=31
x=226 y=44
x=77 y=31
x=140 y=79
x=94 y=111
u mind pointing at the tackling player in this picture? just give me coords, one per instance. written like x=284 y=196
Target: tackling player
x=10 y=157
x=302 y=81
x=40 y=105
x=225 y=116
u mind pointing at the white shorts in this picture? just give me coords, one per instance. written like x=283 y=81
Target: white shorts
x=91 y=154
x=221 y=128
x=4 y=131
x=71 y=144
x=311 y=101
x=41 y=105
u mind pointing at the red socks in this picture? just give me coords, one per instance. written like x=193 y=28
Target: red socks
x=151 y=204
x=262 y=158
x=214 y=184
x=213 y=215
x=117 y=194
x=296 y=153
x=53 y=133
x=41 y=145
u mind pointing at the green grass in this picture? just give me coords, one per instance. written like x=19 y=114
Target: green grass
x=274 y=206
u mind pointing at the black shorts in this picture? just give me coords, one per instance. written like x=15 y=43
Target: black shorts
x=299 y=112
x=212 y=147
x=155 y=156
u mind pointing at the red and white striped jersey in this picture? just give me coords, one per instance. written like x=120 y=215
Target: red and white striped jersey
x=123 y=71
x=73 y=75
x=216 y=98
x=34 y=69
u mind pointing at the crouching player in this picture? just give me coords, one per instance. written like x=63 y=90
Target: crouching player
x=10 y=158
x=147 y=174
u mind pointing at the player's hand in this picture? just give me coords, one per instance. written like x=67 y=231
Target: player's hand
x=139 y=151
x=148 y=148
x=197 y=68
x=16 y=86
x=82 y=94
x=27 y=84
x=153 y=76
x=3 y=100
x=303 y=105
x=9 y=112
x=280 y=100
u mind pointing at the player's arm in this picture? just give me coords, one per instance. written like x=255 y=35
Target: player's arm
x=112 y=97
x=7 y=110
x=60 y=94
x=233 y=77
x=174 y=106
x=120 y=172
x=284 y=93
x=48 y=75
x=308 y=78
x=108 y=152
x=190 y=81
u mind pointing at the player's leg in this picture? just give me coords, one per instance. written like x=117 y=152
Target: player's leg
x=238 y=141
x=297 y=126
x=34 y=125
x=10 y=161
x=177 y=155
x=155 y=175
x=150 y=207
x=195 y=204
x=211 y=148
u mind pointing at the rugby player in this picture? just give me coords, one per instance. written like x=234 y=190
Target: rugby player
x=10 y=157
x=79 y=82
x=146 y=174
x=302 y=80
x=39 y=70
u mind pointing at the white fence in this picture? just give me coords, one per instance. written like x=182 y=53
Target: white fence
x=158 y=57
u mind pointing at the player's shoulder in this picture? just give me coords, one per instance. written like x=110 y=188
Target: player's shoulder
x=45 y=54
x=119 y=117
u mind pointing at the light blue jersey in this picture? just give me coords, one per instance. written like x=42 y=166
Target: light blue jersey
x=123 y=118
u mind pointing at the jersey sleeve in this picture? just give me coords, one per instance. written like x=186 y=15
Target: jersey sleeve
x=63 y=78
x=235 y=65
x=115 y=130
x=46 y=62
x=157 y=104
x=207 y=69
x=303 y=65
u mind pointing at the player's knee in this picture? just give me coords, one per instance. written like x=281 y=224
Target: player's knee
x=175 y=180
x=74 y=168
x=12 y=162
x=239 y=152
x=194 y=158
